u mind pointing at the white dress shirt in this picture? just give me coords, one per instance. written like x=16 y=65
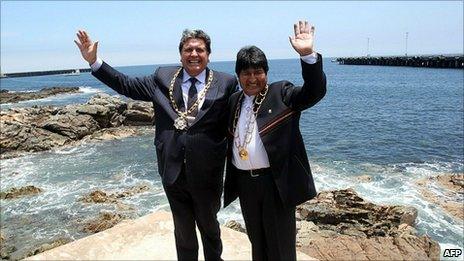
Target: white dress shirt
x=257 y=155
x=200 y=85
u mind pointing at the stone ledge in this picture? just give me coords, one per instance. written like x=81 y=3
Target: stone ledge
x=150 y=237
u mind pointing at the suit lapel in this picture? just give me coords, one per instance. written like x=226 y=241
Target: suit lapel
x=235 y=103
x=265 y=112
x=164 y=100
x=210 y=97
x=177 y=92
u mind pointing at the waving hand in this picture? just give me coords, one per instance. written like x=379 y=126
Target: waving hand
x=303 y=41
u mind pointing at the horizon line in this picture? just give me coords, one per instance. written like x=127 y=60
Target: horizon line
x=156 y=64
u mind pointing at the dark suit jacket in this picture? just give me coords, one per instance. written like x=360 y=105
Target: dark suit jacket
x=203 y=145
x=278 y=123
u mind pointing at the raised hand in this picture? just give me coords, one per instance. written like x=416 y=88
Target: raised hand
x=303 y=41
x=87 y=47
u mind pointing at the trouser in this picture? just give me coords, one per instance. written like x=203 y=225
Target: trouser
x=194 y=205
x=270 y=225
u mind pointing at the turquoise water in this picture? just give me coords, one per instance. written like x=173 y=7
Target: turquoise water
x=396 y=124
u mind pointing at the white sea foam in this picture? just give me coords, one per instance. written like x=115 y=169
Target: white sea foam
x=88 y=89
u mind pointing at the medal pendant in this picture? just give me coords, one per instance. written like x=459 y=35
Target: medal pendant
x=180 y=123
x=243 y=153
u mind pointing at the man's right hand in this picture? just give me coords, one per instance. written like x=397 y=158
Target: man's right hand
x=87 y=47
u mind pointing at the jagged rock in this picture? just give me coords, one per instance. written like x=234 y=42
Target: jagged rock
x=102 y=197
x=19 y=192
x=235 y=226
x=132 y=191
x=73 y=127
x=12 y=97
x=104 y=221
x=98 y=197
x=138 y=113
x=43 y=128
x=339 y=225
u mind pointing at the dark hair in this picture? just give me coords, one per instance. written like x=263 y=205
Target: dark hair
x=188 y=34
x=250 y=57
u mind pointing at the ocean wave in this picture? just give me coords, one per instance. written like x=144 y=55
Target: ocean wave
x=88 y=89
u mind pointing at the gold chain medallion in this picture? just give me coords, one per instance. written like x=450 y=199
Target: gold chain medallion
x=180 y=122
x=250 y=124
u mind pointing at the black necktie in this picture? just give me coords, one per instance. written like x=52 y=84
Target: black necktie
x=192 y=96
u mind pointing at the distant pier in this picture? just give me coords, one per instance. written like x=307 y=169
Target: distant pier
x=40 y=73
x=436 y=61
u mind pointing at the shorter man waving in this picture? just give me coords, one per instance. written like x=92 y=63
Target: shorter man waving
x=267 y=165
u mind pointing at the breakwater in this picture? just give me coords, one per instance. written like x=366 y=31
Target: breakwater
x=39 y=73
x=436 y=61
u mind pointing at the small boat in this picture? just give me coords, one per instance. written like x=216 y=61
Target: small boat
x=74 y=73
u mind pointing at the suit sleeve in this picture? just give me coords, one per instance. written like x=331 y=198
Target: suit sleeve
x=137 y=88
x=312 y=91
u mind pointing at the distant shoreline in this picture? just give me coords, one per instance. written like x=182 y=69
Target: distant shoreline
x=222 y=61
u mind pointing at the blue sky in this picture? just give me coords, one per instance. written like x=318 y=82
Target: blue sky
x=39 y=35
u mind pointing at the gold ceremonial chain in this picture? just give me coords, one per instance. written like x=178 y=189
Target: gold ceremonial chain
x=249 y=125
x=181 y=122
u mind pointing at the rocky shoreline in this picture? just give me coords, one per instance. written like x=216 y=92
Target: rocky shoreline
x=13 y=97
x=25 y=130
x=336 y=225
x=340 y=225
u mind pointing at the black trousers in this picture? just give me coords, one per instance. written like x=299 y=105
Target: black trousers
x=270 y=225
x=190 y=206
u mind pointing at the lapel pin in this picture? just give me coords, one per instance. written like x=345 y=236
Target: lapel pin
x=269 y=111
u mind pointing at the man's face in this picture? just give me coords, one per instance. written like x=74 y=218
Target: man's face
x=194 y=56
x=252 y=80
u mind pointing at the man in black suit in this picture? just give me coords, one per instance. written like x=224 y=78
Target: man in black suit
x=267 y=166
x=190 y=103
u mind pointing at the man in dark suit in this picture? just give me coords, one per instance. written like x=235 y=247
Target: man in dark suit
x=190 y=103
x=267 y=166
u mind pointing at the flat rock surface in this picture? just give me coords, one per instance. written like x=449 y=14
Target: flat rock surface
x=150 y=237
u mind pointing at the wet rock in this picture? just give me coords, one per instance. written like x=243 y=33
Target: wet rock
x=364 y=178
x=104 y=221
x=113 y=133
x=98 y=197
x=138 y=114
x=48 y=246
x=132 y=191
x=235 y=226
x=446 y=191
x=43 y=128
x=73 y=127
x=19 y=192
x=12 y=97
x=340 y=225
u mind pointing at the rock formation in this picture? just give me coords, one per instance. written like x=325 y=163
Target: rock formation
x=449 y=195
x=19 y=192
x=12 y=97
x=340 y=225
x=43 y=128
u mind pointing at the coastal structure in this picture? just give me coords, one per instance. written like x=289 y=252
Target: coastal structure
x=40 y=73
x=433 y=61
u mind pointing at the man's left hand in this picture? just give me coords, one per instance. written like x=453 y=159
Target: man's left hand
x=303 y=41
